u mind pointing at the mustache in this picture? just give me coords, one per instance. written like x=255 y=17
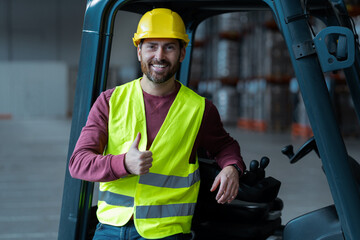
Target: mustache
x=159 y=62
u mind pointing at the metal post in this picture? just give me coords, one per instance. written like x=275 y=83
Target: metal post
x=352 y=73
x=332 y=149
x=353 y=81
x=72 y=206
x=342 y=18
x=93 y=67
x=184 y=72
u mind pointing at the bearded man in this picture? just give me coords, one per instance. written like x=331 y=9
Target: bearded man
x=141 y=140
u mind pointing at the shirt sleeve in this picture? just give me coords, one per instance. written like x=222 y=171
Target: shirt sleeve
x=217 y=141
x=87 y=161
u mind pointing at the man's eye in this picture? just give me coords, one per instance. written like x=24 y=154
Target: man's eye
x=150 y=47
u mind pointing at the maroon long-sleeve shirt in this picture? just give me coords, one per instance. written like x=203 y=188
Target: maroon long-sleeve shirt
x=88 y=162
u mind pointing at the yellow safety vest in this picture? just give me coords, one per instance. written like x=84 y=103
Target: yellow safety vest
x=162 y=201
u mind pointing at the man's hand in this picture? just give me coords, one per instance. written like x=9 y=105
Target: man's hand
x=138 y=162
x=228 y=179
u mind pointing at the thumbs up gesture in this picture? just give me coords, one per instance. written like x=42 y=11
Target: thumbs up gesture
x=138 y=162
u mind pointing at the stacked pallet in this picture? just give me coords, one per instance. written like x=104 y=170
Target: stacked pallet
x=241 y=62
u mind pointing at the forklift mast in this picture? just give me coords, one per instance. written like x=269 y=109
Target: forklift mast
x=310 y=59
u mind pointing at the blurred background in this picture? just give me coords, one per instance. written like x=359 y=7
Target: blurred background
x=39 y=54
x=240 y=62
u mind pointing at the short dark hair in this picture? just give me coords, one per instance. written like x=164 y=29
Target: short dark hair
x=181 y=43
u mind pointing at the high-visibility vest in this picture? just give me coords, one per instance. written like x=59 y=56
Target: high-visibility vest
x=162 y=201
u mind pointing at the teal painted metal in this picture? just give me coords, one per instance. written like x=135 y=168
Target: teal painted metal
x=93 y=67
x=328 y=61
x=352 y=73
x=317 y=101
x=291 y=19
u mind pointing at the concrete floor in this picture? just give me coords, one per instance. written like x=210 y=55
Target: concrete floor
x=33 y=159
x=32 y=169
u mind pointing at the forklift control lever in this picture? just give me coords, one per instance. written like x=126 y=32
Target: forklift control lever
x=307 y=147
x=254 y=186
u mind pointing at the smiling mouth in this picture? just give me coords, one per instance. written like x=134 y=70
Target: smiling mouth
x=159 y=67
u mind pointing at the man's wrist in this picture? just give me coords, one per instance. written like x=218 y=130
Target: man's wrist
x=237 y=168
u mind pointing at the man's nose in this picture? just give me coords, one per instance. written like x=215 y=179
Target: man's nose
x=159 y=54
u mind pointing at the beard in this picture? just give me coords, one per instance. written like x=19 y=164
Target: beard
x=159 y=77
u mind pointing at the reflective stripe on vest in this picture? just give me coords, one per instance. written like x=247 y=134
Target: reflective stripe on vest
x=152 y=179
x=162 y=201
x=159 y=180
x=155 y=211
x=162 y=211
x=116 y=199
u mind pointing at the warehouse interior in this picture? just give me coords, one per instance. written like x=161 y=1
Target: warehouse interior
x=243 y=68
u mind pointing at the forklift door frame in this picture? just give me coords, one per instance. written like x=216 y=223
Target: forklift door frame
x=292 y=20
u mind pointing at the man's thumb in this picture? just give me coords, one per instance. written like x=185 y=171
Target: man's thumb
x=135 y=144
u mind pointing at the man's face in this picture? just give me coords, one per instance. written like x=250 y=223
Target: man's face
x=160 y=58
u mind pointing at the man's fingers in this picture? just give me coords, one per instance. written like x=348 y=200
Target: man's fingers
x=228 y=196
x=228 y=190
x=146 y=155
x=222 y=191
x=146 y=158
x=232 y=193
x=215 y=184
x=228 y=178
x=223 y=194
x=145 y=162
x=138 y=162
x=145 y=166
x=135 y=144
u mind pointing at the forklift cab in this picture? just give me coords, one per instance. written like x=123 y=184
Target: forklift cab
x=310 y=56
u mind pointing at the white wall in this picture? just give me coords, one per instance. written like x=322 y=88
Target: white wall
x=33 y=89
x=39 y=31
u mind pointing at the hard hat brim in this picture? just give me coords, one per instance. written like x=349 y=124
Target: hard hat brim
x=138 y=37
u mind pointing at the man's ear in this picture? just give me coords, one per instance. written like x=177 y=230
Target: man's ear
x=182 y=53
x=139 y=53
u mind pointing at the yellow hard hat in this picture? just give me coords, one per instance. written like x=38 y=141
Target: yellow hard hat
x=161 y=23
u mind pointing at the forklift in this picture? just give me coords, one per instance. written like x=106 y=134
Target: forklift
x=335 y=47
